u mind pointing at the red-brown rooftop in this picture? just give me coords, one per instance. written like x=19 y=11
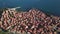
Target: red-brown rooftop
x=33 y=21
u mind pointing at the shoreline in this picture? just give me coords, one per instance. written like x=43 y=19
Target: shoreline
x=44 y=11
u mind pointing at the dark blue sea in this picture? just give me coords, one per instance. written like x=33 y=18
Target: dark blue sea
x=48 y=6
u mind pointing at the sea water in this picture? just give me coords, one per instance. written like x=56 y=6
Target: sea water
x=48 y=6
